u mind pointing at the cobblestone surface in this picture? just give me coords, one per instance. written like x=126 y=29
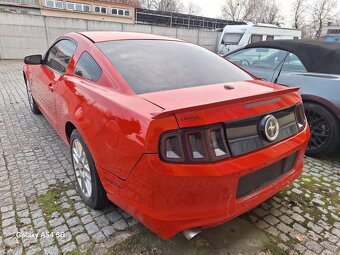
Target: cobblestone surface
x=41 y=212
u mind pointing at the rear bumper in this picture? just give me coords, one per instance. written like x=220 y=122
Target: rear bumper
x=169 y=198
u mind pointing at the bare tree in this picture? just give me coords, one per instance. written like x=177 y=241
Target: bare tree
x=239 y=10
x=299 y=9
x=322 y=12
x=168 y=5
x=147 y=4
x=193 y=9
x=252 y=10
x=272 y=13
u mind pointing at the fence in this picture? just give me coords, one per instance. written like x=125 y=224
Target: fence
x=22 y=34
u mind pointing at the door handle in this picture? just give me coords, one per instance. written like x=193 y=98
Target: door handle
x=50 y=87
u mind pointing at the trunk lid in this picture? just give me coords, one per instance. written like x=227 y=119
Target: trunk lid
x=221 y=102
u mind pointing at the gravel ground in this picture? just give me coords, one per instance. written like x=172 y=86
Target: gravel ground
x=41 y=212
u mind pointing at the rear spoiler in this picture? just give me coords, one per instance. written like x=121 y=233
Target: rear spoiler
x=261 y=97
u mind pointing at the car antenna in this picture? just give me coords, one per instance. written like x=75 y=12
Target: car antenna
x=281 y=66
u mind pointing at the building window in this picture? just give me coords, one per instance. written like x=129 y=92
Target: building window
x=114 y=11
x=121 y=12
x=127 y=13
x=70 y=6
x=333 y=31
x=100 y=9
x=54 y=4
x=270 y=38
x=77 y=7
x=86 y=8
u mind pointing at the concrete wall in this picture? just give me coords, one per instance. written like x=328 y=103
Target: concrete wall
x=22 y=34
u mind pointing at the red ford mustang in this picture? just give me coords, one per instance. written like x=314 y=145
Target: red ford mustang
x=175 y=135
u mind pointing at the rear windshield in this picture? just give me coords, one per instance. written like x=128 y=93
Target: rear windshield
x=155 y=65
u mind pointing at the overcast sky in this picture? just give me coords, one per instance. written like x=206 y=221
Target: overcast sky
x=212 y=8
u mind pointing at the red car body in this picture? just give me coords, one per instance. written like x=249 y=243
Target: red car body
x=122 y=131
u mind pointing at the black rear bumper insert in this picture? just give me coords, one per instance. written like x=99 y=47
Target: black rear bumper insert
x=249 y=183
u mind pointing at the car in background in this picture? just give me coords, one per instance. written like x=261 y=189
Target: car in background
x=312 y=65
x=170 y=132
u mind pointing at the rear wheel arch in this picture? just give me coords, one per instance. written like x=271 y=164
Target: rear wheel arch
x=322 y=102
x=69 y=127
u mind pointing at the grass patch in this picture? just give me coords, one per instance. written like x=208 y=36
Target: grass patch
x=49 y=202
x=76 y=252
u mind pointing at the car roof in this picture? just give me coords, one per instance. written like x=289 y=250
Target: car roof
x=316 y=56
x=103 y=36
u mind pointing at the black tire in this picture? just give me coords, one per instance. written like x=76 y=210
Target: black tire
x=325 y=130
x=98 y=198
x=33 y=105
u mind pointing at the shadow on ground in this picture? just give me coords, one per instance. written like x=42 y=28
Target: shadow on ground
x=234 y=237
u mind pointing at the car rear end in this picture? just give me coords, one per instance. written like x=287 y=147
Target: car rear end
x=213 y=150
x=207 y=164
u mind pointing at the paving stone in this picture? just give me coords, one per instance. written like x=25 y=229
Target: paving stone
x=314 y=227
x=87 y=219
x=82 y=238
x=336 y=232
x=98 y=237
x=285 y=219
x=113 y=216
x=260 y=212
x=330 y=246
x=314 y=246
x=33 y=250
x=56 y=222
x=120 y=225
x=108 y=231
x=64 y=237
x=9 y=231
x=284 y=228
x=69 y=247
x=299 y=228
x=272 y=220
x=77 y=229
x=300 y=248
x=273 y=231
x=91 y=228
x=298 y=217
x=7 y=222
x=262 y=224
x=73 y=221
x=51 y=250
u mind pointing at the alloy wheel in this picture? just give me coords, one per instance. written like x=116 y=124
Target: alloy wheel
x=82 y=168
x=320 y=129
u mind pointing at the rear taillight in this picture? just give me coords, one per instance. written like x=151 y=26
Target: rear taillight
x=203 y=144
x=300 y=117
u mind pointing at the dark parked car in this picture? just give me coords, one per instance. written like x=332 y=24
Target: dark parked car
x=310 y=64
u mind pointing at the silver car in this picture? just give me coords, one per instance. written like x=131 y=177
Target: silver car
x=312 y=65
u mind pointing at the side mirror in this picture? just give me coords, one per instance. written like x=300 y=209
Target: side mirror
x=33 y=60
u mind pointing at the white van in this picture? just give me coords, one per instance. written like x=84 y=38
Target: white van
x=237 y=36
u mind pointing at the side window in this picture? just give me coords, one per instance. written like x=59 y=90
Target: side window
x=293 y=64
x=60 y=55
x=258 y=58
x=270 y=38
x=87 y=67
x=256 y=38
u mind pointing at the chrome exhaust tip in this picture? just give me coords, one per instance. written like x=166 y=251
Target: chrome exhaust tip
x=191 y=233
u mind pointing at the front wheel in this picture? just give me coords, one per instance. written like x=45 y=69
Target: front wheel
x=324 y=126
x=89 y=186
